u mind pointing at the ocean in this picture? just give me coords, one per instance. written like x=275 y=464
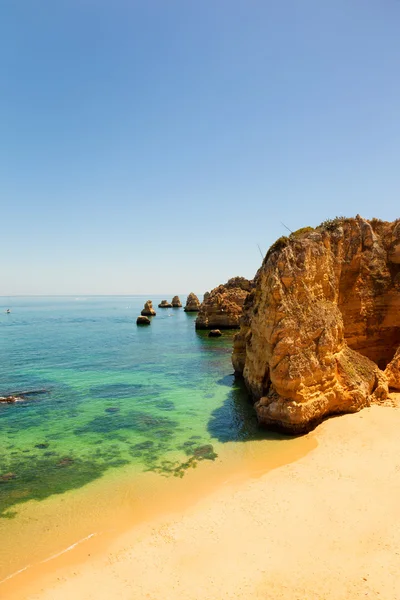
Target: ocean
x=114 y=415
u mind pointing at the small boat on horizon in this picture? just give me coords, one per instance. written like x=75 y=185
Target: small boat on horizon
x=8 y=311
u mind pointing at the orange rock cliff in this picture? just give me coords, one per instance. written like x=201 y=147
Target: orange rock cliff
x=320 y=331
x=223 y=306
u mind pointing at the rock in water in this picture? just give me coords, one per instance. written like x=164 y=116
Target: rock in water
x=214 y=333
x=148 y=310
x=320 y=333
x=143 y=320
x=223 y=306
x=176 y=303
x=165 y=304
x=7 y=477
x=192 y=303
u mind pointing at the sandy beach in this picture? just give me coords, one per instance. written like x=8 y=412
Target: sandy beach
x=324 y=527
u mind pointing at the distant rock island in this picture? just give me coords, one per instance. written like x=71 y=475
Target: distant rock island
x=143 y=320
x=320 y=332
x=192 y=303
x=176 y=303
x=223 y=306
x=165 y=304
x=148 y=310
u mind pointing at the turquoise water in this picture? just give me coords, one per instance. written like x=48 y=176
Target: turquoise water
x=110 y=393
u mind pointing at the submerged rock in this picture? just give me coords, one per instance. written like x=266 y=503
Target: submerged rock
x=215 y=333
x=165 y=304
x=176 y=303
x=18 y=396
x=192 y=303
x=320 y=333
x=148 y=310
x=7 y=477
x=9 y=399
x=223 y=306
x=66 y=462
x=142 y=320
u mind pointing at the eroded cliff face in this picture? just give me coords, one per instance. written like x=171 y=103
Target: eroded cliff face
x=223 y=306
x=320 y=333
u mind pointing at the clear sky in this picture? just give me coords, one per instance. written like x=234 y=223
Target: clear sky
x=149 y=146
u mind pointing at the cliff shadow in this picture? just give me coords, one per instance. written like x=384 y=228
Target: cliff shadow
x=236 y=419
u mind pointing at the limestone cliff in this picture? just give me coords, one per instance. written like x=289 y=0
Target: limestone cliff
x=192 y=303
x=223 y=306
x=320 y=333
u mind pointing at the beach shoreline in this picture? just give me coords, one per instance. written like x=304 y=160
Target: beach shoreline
x=65 y=530
x=321 y=527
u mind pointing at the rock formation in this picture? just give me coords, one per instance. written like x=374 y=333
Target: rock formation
x=223 y=306
x=148 y=310
x=320 y=333
x=214 y=333
x=192 y=303
x=19 y=396
x=10 y=399
x=176 y=303
x=142 y=320
x=165 y=304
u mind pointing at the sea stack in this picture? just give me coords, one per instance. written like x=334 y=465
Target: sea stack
x=192 y=303
x=142 y=320
x=148 y=310
x=320 y=333
x=223 y=306
x=165 y=304
x=176 y=303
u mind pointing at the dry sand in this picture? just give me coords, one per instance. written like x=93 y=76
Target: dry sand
x=326 y=527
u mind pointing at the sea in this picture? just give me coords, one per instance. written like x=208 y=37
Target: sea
x=113 y=419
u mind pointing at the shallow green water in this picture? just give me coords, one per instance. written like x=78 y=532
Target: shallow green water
x=111 y=393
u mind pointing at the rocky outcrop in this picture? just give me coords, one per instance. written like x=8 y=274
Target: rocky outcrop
x=165 y=304
x=10 y=399
x=392 y=371
x=223 y=306
x=148 y=310
x=142 y=320
x=176 y=303
x=214 y=333
x=192 y=303
x=320 y=333
x=19 y=396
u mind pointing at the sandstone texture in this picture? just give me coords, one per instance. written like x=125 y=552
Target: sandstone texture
x=320 y=332
x=148 y=310
x=176 y=303
x=165 y=304
x=192 y=303
x=223 y=306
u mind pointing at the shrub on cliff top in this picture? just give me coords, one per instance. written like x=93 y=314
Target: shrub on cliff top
x=301 y=231
x=331 y=224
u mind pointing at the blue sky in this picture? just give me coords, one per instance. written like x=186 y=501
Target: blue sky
x=150 y=146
